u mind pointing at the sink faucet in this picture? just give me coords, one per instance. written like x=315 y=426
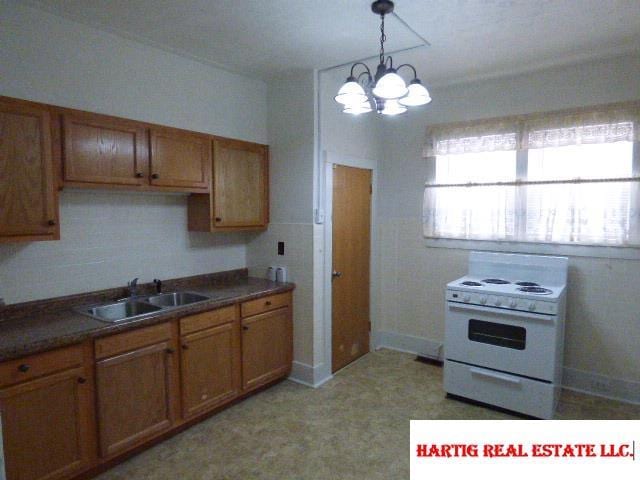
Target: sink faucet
x=133 y=287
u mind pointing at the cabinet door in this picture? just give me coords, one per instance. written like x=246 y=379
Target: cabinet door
x=135 y=397
x=266 y=347
x=28 y=209
x=46 y=426
x=210 y=368
x=240 y=184
x=104 y=150
x=180 y=159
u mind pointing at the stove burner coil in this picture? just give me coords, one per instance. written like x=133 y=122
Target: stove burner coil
x=538 y=290
x=495 y=281
x=469 y=283
x=528 y=284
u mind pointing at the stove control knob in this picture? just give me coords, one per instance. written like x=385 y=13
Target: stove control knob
x=498 y=302
x=513 y=303
x=483 y=299
x=466 y=298
x=532 y=306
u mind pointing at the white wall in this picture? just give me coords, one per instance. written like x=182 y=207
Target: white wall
x=291 y=120
x=53 y=60
x=603 y=322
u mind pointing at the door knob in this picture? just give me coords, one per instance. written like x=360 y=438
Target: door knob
x=336 y=274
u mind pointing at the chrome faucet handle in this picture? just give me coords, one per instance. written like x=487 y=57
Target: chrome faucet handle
x=133 y=287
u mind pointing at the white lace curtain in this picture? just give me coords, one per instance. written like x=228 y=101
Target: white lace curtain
x=603 y=124
x=591 y=211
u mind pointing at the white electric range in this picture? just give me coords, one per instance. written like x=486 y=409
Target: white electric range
x=504 y=332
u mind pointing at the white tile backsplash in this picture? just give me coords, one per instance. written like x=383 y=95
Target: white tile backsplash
x=108 y=238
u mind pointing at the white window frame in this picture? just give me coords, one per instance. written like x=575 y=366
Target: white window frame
x=596 y=251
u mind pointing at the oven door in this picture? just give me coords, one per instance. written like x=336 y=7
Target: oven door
x=507 y=340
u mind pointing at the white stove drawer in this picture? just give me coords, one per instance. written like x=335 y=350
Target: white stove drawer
x=519 y=394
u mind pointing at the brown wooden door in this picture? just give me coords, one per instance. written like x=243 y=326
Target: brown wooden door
x=240 y=184
x=266 y=347
x=104 y=150
x=180 y=159
x=46 y=426
x=28 y=209
x=135 y=397
x=210 y=367
x=351 y=256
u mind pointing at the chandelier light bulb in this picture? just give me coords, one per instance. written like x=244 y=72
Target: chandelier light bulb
x=364 y=107
x=391 y=86
x=417 y=95
x=392 y=107
x=351 y=93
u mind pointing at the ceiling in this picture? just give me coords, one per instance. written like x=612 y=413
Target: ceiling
x=469 y=38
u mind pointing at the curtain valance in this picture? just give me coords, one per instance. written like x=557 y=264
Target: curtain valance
x=598 y=124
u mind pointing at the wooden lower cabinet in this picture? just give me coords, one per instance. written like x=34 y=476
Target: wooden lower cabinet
x=210 y=368
x=62 y=418
x=136 y=393
x=266 y=347
x=47 y=424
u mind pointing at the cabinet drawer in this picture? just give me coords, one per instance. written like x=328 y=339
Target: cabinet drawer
x=265 y=304
x=34 y=366
x=123 y=342
x=204 y=320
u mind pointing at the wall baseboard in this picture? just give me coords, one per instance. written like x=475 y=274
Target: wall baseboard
x=572 y=379
x=601 y=385
x=307 y=375
x=409 y=344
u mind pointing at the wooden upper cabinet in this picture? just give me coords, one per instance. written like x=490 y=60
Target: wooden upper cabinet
x=180 y=159
x=47 y=420
x=240 y=196
x=28 y=200
x=240 y=190
x=104 y=150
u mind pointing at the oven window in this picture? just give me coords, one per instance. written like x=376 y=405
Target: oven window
x=497 y=334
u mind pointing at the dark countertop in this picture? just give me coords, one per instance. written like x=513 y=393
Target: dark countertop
x=34 y=327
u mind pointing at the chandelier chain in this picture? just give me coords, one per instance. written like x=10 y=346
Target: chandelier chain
x=383 y=38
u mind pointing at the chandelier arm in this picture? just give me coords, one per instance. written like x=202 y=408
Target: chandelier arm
x=368 y=72
x=408 y=65
x=388 y=60
x=368 y=75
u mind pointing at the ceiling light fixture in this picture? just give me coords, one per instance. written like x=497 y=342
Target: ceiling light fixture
x=386 y=90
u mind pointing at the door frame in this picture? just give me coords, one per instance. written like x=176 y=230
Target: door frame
x=329 y=160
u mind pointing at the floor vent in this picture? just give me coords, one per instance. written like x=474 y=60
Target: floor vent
x=429 y=360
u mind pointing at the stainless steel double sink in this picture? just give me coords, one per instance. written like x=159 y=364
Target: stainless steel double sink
x=135 y=307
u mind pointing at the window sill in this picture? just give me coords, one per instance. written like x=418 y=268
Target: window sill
x=594 y=251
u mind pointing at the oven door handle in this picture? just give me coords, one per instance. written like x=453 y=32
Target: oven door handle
x=503 y=311
x=494 y=375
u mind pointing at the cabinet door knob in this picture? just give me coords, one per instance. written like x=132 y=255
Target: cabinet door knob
x=24 y=368
x=82 y=380
x=185 y=347
x=267 y=303
x=51 y=223
x=169 y=350
x=244 y=327
x=139 y=175
x=155 y=176
x=218 y=219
